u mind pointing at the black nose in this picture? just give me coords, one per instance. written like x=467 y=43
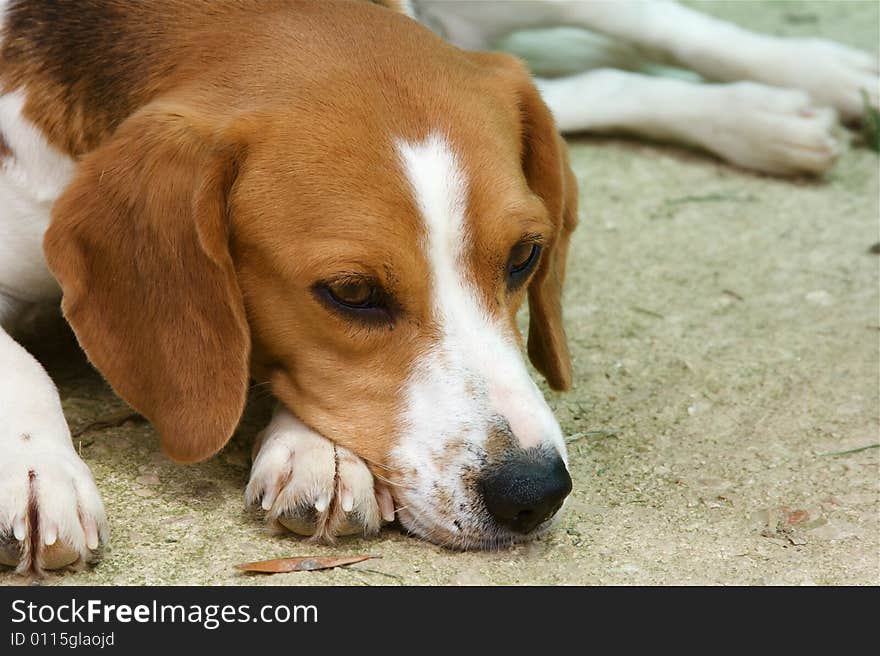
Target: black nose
x=525 y=489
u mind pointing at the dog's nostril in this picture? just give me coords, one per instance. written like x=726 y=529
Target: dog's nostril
x=526 y=489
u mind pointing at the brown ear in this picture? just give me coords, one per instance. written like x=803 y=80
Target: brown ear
x=549 y=175
x=139 y=244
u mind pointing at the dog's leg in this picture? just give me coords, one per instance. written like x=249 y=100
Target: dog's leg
x=311 y=486
x=51 y=514
x=752 y=125
x=834 y=75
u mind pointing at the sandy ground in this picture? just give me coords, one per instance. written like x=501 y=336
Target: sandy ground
x=724 y=328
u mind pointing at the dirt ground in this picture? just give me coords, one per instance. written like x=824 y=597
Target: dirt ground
x=725 y=329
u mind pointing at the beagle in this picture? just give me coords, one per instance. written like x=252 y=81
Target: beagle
x=772 y=108
x=324 y=197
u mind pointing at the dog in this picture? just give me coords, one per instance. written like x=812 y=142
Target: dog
x=774 y=111
x=323 y=197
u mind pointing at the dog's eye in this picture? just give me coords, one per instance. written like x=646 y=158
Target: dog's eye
x=521 y=256
x=356 y=297
x=521 y=261
x=353 y=293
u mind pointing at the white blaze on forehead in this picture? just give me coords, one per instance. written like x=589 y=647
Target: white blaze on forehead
x=441 y=195
x=476 y=374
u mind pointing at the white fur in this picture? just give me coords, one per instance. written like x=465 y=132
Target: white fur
x=297 y=470
x=30 y=181
x=38 y=459
x=752 y=125
x=474 y=378
x=35 y=442
x=758 y=126
x=407 y=7
x=37 y=168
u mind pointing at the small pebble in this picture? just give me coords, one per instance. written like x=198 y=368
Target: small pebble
x=819 y=297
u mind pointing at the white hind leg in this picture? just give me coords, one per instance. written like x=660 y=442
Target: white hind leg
x=752 y=125
x=832 y=74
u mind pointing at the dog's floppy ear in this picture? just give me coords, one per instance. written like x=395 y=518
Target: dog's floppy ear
x=139 y=244
x=546 y=168
x=545 y=161
x=547 y=343
x=547 y=171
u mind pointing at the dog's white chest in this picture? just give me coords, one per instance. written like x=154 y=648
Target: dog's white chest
x=32 y=175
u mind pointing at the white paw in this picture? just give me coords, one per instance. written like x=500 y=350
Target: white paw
x=51 y=514
x=833 y=74
x=768 y=129
x=312 y=487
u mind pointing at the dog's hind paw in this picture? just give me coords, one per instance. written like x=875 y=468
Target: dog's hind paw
x=833 y=74
x=767 y=129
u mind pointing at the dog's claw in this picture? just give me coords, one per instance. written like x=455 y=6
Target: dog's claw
x=346 y=499
x=321 y=503
x=19 y=528
x=386 y=503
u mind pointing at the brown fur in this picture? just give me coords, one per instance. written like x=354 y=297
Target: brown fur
x=86 y=65
x=149 y=285
x=207 y=206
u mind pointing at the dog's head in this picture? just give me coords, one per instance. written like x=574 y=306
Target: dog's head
x=360 y=237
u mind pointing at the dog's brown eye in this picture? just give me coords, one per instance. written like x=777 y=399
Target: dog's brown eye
x=521 y=256
x=520 y=263
x=358 y=298
x=357 y=293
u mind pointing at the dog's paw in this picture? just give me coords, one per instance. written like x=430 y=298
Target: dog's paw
x=51 y=514
x=767 y=129
x=833 y=74
x=312 y=487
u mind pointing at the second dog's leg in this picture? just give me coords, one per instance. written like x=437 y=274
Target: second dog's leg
x=752 y=125
x=834 y=75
